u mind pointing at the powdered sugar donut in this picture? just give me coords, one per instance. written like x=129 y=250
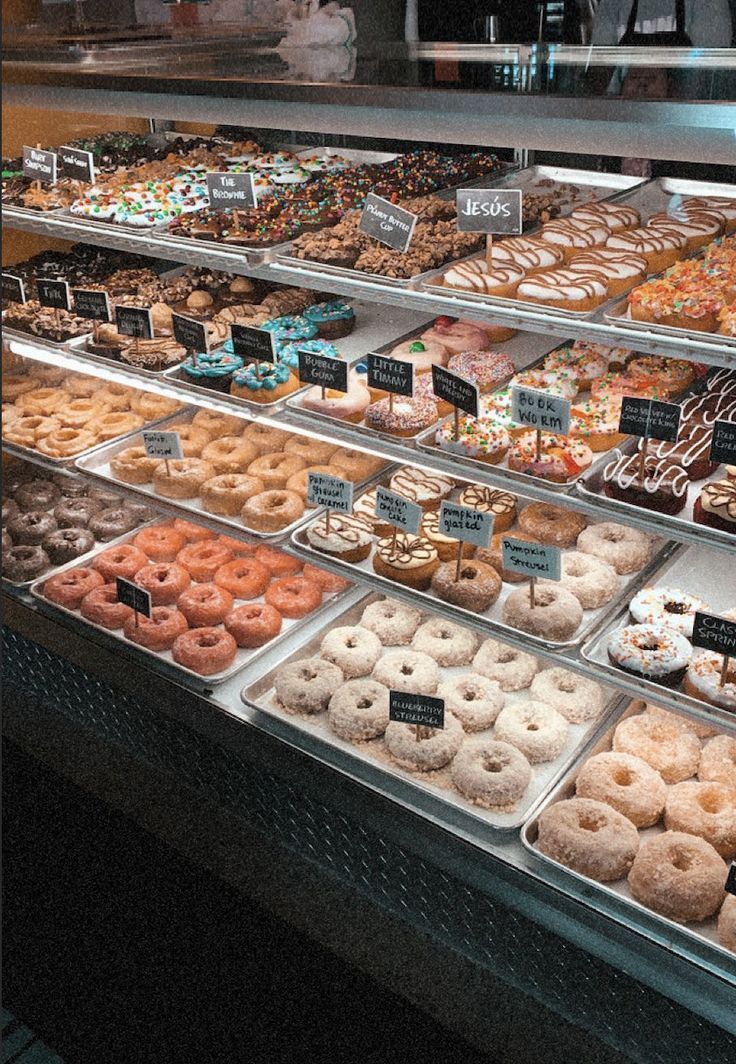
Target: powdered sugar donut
x=512 y=669
x=589 y=837
x=727 y=923
x=358 y=710
x=626 y=783
x=491 y=774
x=674 y=753
x=424 y=749
x=538 y=730
x=393 y=622
x=592 y=581
x=408 y=670
x=475 y=700
x=448 y=643
x=626 y=549
x=306 y=686
x=576 y=697
x=353 y=649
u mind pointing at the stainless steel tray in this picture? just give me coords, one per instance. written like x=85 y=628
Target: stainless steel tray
x=705 y=932
x=260 y=695
x=698 y=570
x=618 y=314
x=492 y=621
x=243 y=657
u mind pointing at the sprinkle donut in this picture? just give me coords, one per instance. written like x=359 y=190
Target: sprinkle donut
x=704 y=809
x=674 y=753
x=512 y=669
x=668 y=606
x=393 y=622
x=626 y=783
x=491 y=774
x=424 y=749
x=353 y=649
x=448 y=643
x=475 y=700
x=650 y=651
x=679 y=876
x=538 y=730
x=590 y=837
x=358 y=710
x=306 y=686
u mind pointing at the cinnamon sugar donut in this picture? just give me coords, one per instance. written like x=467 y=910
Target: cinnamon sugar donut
x=423 y=749
x=217 y=425
x=265 y=438
x=448 y=643
x=229 y=454
x=228 y=493
x=164 y=581
x=704 y=809
x=674 y=753
x=626 y=783
x=589 y=837
x=576 y=697
x=512 y=669
x=307 y=685
x=393 y=622
x=727 y=923
x=475 y=700
x=204 y=605
x=358 y=710
x=556 y=525
x=626 y=549
x=205 y=651
x=556 y=614
x=538 y=730
x=679 y=876
x=718 y=761
x=491 y=774
x=409 y=671
x=353 y=649
x=275 y=469
x=181 y=478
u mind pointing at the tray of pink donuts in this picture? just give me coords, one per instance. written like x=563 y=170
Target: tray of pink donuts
x=217 y=601
x=647 y=816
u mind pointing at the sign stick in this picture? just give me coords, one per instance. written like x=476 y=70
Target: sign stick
x=37 y=184
x=643 y=458
x=539 y=445
x=135 y=614
x=456 y=422
x=417 y=736
x=394 y=536
x=390 y=402
x=489 y=252
x=532 y=592
x=460 y=546
x=724 y=670
x=327 y=521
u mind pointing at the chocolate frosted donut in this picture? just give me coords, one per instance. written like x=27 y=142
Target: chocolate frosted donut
x=15 y=480
x=30 y=529
x=111 y=523
x=66 y=544
x=139 y=511
x=24 y=563
x=75 y=513
x=10 y=509
x=7 y=541
x=37 y=495
x=109 y=499
x=70 y=487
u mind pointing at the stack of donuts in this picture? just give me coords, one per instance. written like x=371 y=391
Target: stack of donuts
x=658 y=810
x=210 y=595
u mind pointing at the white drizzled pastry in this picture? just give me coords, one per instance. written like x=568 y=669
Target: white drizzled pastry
x=564 y=289
x=619 y=269
x=474 y=276
x=661 y=248
x=613 y=215
x=698 y=227
x=571 y=235
x=529 y=253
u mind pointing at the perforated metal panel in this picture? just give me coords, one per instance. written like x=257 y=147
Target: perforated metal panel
x=609 y=1004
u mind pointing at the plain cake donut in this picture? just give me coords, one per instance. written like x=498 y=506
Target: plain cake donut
x=393 y=622
x=674 y=753
x=307 y=685
x=589 y=837
x=626 y=783
x=547 y=523
x=358 y=710
x=679 y=876
x=576 y=697
x=424 y=749
x=727 y=923
x=448 y=643
x=538 y=730
x=704 y=809
x=353 y=649
x=491 y=774
x=512 y=669
x=473 y=699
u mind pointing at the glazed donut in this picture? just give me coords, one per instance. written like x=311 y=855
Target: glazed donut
x=182 y=479
x=409 y=671
x=193 y=439
x=626 y=783
x=204 y=605
x=538 y=730
x=328 y=583
x=270 y=511
x=674 y=753
x=109 y=524
x=275 y=469
x=26 y=431
x=718 y=761
x=244 y=578
x=355 y=465
x=512 y=669
x=16 y=384
x=69 y=588
x=63 y=443
x=254 y=624
x=217 y=426
x=358 y=710
x=229 y=492
x=475 y=700
x=193 y=533
x=306 y=686
x=81 y=386
x=592 y=581
x=704 y=809
x=727 y=923
x=77 y=413
x=158 y=631
x=31 y=529
x=448 y=643
x=278 y=562
x=133 y=466
x=626 y=549
x=576 y=697
x=202 y=560
x=238 y=546
x=101 y=607
x=229 y=454
x=476 y=589
x=161 y=543
x=668 y=606
x=423 y=749
x=556 y=614
x=555 y=525
x=353 y=649
x=42 y=402
x=117 y=396
x=265 y=439
x=165 y=581
x=293 y=596
x=589 y=837
x=312 y=452
x=205 y=651
x=491 y=774
x=76 y=513
x=153 y=407
x=124 y=560
x=114 y=423
x=70 y=486
x=679 y=876
x=299 y=482
x=393 y=622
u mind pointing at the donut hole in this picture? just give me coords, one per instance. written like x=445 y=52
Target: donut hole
x=682 y=861
x=544 y=596
x=407 y=670
x=678 y=608
x=209 y=640
x=622 y=776
x=531 y=726
x=506 y=655
x=711 y=802
x=364 y=703
x=589 y=822
x=613 y=535
x=307 y=674
x=469 y=572
x=469 y=695
x=493 y=764
x=568 y=685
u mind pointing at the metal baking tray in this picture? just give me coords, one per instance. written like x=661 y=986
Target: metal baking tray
x=619 y=315
x=260 y=695
x=697 y=570
x=490 y=622
x=705 y=932
x=243 y=656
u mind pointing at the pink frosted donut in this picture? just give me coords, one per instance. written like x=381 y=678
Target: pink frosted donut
x=704 y=809
x=674 y=753
x=626 y=783
x=679 y=876
x=457 y=337
x=422 y=352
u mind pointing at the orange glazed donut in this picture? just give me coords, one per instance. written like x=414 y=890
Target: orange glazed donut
x=205 y=651
x=278 y=562
x=101 y=606
x=164 y=580
x=124 y=561
x=191 y=532
x=160 y=542
x=69 y=588
x=327 y=582
x=202 y=560
x=245 y=578
x=238 y=546
x=254 y=624
x=205 y=604
x=294 y=596
x=158 y=631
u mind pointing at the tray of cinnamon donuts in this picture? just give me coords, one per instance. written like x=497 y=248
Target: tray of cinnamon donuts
x=501 y=706
x=648 y=816
x=602 y=562
x=217 y=602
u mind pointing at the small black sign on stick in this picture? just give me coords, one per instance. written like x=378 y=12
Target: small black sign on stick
x=249 y=342
x=489 y=210
x=53 y=293
x=723 y=446
x=387 y=223
x=136 y=597
x=424 y=711
x=77 y=164
x=191 y=334
x=390 y=375
x=134 y=321
x=324 y=371
x=90 y=303
x=231 y=190
x=39 y=165
x=14 y=291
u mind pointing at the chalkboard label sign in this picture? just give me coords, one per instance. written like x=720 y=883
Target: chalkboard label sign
x=134 y=321
x=324 y=371
x=191 y=334
x=540 y=410
x=135 y=597
x=39 y=165
x=249 y=342
x=723 y=446
x=231 y=190
x=650 y=418
x=53 y=293
x=76 y=164
x=730 y=886
x=14 y=291
x=423 y=710
x=89 y=303
x=390 y=375
x=462 y=522
x=714 y=633
x=164 y=445
x=331 y=492
x=489 y=210
x=455 y=390
x=386 y=222
x=533 y=559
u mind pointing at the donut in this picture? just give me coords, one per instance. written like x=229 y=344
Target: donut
x=650 y=651
x=355 y=465
x=668 y=606
x=538 y=730
x=272 y=511
x=77 y=413
x=217 y=426
x=423 y=749
x=76 y=513
x=23 y=563
x=165 y=581
x=312 y=452
x=408 y=671
x=161 y=543
x=328 y=583
x=229 y=454
x=153 y=407
x=626 y=783
x=278 y=562
x=703 y=680
x=82 y=386
x=556 y=614
x=41 y=402
x=576 y=697
x=589 y=837
x=560 y=457
x=592 y=581
x=37 y=495
x=119 y=397
x=674 y=753
x=626 y=549
x=353 y=649
x=69 y=588
x=491 y=774
x=253 y=624
x=191 y=532
x=109 y=524
x=10 y=509
x=66 y=544
x=108 y=426
x=718 y=761
x=306 y=686
x=205 y=651
x=265 y=438
x=275 y=469
x=475 y=700
x=448 y=643
x=475 y=588
x=228 y=492
x=727 y=923
x=31 y=529
x=512 y=669
x=238 y=546
x=101 y=607
x=358 y=710
x=293 y=596
x=181 y=478
x=407 y=559
x=133 y=466
x=193 y=439
x=204 y=604
x=110 y=500
x=690 y=724
x=202 y=560
x=393 y=622
x=679 y=876
x=704 y=809
x=245 y=578
x=500 y=504
x=555 y=525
